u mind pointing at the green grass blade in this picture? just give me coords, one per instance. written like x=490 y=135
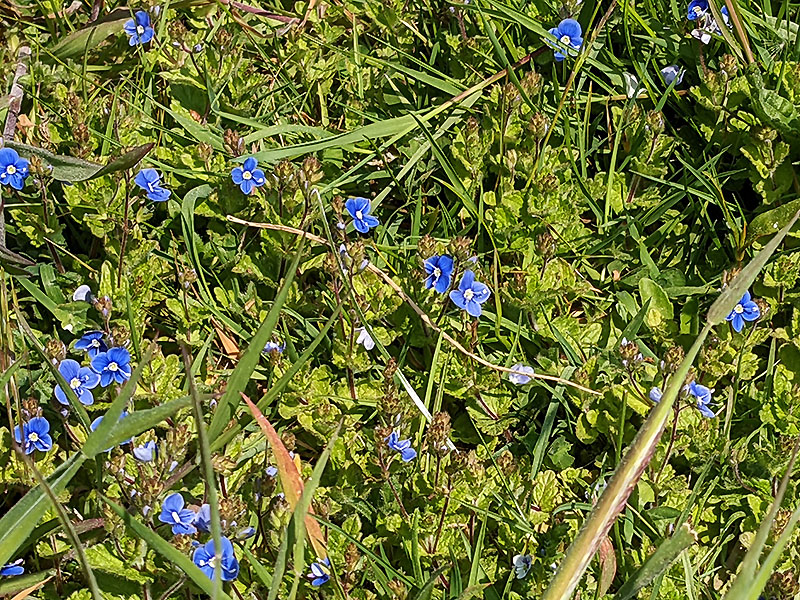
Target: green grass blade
x=142 y=420
x=301 y=510
x=279 y=385
x=249 y=360
x=208 y=471
x=280 y=566
x=666 y=554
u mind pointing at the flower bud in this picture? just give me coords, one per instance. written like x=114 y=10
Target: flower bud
x=629 y=353
x=655 y=121
x=233 y=142
x=546 y=245
x=311 y=171
x=728 y=66
x=103 y=306
x=56 y=350
x=673 y=359
x=531 y=83
x=461 y=248
x=538 y=125
x=426 y=246
x=438 y=434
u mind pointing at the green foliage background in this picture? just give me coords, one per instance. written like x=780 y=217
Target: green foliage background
x=593 y=216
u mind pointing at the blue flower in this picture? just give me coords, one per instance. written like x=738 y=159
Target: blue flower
x=672 y=73
x=568 y=33
x=182 y=519
x=320 y=572
x=274 y=347
x=13 y=169
x=139 y=29
x=518 y=378
x=150 y=181
x=80 y=379
x=96 y=423
x=470 y=294
x=655 y=395
x=35 y=435
x=245 y=533
x=522 y=564
x=394 y=442
x=147 y=452
x=746 y=310
x=202 y=519
x=703 y=396
x=272 y=471
x=12 y=569
x=114 y=365
x=92 y=342
x=696 y=9
x=359 y=209
x=440 y=272
x=248 y=177
x=205 y=558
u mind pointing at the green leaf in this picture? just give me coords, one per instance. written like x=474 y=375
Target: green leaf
x=249 y=360
x=165 y=549
x=71 y=169
x=667 y=553
x=731 y=295
x=80 y=41
x=660 y=307
x=771 y=221
x=142 y=420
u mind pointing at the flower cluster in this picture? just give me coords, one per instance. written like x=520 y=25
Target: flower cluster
x=107 y=365
x=706 y=26
x=185 y=521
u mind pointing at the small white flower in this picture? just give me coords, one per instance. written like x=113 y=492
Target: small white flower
x=82 y=294
x=672 y=73
x=631 y=84
x=522 y=564
x=518 y=378
x=702 y=35
x=364 y=338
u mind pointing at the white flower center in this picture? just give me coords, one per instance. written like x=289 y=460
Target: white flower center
x=738 y=309
x=176 y=517
x=212 y=562
x=139 y=29
x=468 y=295
x=33 y=436
x=11 y=169
x=437 y=272
x=359 y=215
x=247 y=175
x=74 y=383
x=698 y=11
x=565 y=40
x=95 y=343
x=112 y=366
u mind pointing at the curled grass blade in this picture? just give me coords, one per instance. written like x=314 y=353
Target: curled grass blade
x=290 y=478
